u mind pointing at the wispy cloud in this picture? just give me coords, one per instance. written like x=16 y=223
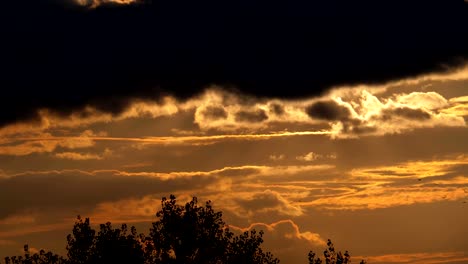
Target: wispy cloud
x=402 y=184
x=286 y=229
x=83 y=156
x=47 y=143
x=411 y=169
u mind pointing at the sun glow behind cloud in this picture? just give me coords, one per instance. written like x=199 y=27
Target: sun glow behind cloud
x=96 y=3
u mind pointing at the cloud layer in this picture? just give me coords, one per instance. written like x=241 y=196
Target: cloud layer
x=69 y=58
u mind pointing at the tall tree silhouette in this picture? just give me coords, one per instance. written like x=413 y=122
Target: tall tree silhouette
x=80 y=242
x=197 y=234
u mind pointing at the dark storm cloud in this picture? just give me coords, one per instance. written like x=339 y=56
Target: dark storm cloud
x=251 y=116
x=77 y=188
x=328 y=110
x=405 y=112
x=63 y=57
x=215 y=113
x=277 y=109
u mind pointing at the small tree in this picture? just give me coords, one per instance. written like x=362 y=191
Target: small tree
x=331 y=256
x=194 y=234
x=42 y=257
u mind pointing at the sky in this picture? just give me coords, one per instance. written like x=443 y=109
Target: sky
x=341 y=120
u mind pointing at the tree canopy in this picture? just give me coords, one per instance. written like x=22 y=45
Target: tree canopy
x=182 y=234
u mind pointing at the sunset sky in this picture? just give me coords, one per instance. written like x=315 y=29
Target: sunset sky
x=341 y=120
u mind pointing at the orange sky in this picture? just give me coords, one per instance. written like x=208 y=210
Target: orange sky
x=380 y=170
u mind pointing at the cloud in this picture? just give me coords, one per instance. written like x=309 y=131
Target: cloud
x=76 y=188
x=458 y=107
x=312 y=156
x=226 y=171
x=267 y=201
x=285 y=239
x=371 y=115
x=428 y=100
x=251 y=116
x=214 y=113
x=277 y=109
x=83 y=156
x=243 y=112
x=276 y=157
x=349 y=112
x=412 y=169
x=96 y=3
x=110 y=69
x=343 y=113
x=405 y=113
x=127 y=210
x=211 y=139
x=46 y=143
x=398 y=185
x=378 y=197
x=328 y=110
x=285 y=229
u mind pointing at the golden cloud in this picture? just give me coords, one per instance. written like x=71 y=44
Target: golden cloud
x=285 y=229
x=264 y=202
x=370 y=115
x=385 y=197
x=46 y=143
x=355 y=111
x=277 y=157
x=84 y=156
x=401 y=184
x=411 y=169
x=312 y=156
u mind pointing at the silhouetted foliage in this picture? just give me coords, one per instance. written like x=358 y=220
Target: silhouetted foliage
x=183 y=234
x=80 y=242
x=42 y=257
x=197 y=234
x=330 y=256
x=108 y=246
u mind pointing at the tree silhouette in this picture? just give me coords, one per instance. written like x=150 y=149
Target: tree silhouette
x=182 y=234
x=80 y=242
x=108 y=246
x=42 y=257
x=331 y=256
x=197 y=234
